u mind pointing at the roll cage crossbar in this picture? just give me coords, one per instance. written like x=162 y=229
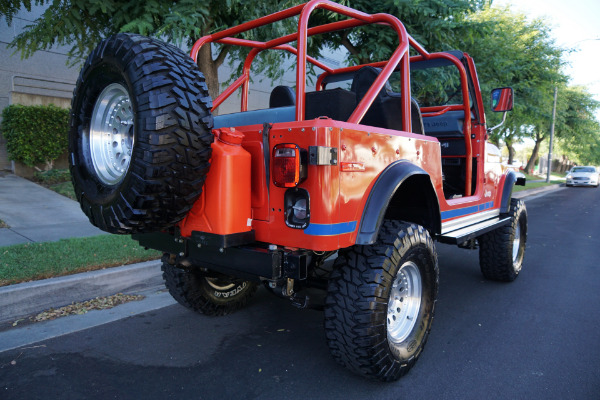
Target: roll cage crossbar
x=399 y=61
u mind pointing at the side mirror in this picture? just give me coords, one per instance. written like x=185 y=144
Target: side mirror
x=502 y=99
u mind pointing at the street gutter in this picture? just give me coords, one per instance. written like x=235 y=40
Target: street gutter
x=537 y=191
x=23 y=299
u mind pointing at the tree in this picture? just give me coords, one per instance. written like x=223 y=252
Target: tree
x=82 y=24
x=436 y=24
x=576 y=122
x=511 y=50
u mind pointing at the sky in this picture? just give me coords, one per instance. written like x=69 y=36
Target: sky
x=575 y=24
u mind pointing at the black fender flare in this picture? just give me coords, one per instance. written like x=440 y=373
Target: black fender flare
x=386 y=185
x=512 y=178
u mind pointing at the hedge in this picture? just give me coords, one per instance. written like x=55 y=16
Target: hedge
x=35 y=134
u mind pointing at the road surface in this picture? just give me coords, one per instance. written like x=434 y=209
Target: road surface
x=536 y=338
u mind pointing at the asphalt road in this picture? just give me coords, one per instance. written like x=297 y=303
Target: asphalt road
x=536 y=338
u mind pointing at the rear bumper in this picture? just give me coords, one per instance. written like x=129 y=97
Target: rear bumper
x=253 y=261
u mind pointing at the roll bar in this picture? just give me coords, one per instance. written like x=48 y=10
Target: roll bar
x=399 y=61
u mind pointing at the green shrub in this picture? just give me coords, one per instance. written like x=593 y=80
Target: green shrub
x=52 y=176
x=35 y=134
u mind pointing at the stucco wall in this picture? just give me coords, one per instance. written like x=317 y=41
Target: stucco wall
x=42 y=79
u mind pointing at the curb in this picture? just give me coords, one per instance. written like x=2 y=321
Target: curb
x=531 y=192
x=27 y=298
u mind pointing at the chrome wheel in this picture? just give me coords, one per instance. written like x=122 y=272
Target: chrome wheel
x=516 y=243
x=404 y=302
x=111 y=134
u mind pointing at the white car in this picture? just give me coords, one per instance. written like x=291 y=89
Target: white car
x=583 y=176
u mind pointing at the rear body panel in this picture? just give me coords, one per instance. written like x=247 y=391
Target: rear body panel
x=339 y=193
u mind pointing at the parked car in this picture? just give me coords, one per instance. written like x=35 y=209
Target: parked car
x=583 y=176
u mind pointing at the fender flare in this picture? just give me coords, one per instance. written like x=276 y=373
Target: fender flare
x=512 y=178
x=384 y=189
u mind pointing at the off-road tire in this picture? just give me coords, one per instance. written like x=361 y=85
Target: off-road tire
x=358 y=302
x=502 y=250
x=213 y=294
x=169 y=135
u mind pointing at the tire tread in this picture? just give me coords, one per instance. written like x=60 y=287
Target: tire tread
x=187 y=287
x=356 y=305
x=172 y=151
x=495 y=247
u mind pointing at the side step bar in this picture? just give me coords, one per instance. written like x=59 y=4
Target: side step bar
x=472 y=231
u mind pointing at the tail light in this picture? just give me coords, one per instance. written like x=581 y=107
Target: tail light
x=289 y=168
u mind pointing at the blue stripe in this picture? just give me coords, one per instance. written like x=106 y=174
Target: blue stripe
x=459 y=212
x=330 y=229
x=486 y=206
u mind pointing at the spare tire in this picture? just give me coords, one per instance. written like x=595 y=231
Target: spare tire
x=140 y=134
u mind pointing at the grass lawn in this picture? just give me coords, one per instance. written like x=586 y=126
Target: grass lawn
x=58 y=180
x=32 y=261
x=64 y=188
x=532 y=185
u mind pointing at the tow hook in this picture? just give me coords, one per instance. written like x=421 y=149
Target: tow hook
x=297 y=300
x=285 y=288
x=300 y=301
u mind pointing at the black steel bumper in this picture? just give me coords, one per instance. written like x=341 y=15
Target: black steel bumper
x=225 y=254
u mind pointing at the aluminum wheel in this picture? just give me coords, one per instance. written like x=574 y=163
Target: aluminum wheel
x=111 y=134
x=219 y=284
x=404 y=302
x=516 y=243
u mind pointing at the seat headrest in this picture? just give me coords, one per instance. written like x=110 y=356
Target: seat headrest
x=282 y=96
x=363 y=80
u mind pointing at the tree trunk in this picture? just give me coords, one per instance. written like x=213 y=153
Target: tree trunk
x=511 y=152
x=352 y=49
x=49 y=165
x=210 y=69
x=534 y=154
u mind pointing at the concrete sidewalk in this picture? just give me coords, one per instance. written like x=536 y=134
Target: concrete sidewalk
x=37 y=214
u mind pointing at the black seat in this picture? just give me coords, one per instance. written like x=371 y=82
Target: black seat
x=282 y=96
x=386 y=110
x=416 y=118
x=336 y=104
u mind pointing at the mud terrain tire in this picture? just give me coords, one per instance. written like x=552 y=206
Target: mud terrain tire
x=502 y=250
x=140 y=134
x=213 y=295
x=381 y=300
